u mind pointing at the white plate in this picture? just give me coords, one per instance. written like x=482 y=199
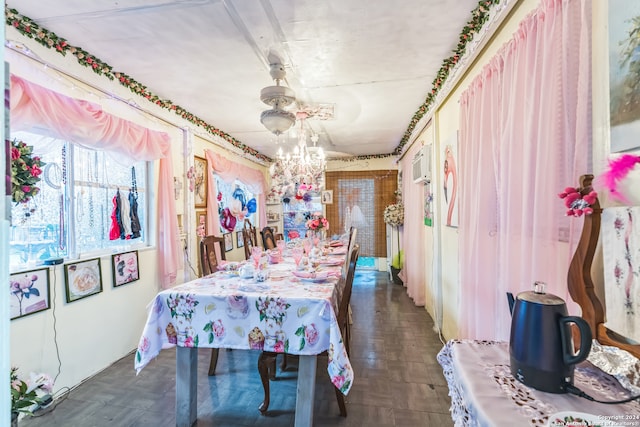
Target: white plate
x=313 y=280
x=278 y=274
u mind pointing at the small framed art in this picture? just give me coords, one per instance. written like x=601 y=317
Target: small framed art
x=327 y=197
x=83 y=279
x=29 y=292
x=200 y=181
x=201 y=223
x=239 y=240
x=125 y=268
x=228 y=242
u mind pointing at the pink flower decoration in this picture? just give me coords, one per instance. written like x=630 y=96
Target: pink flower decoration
x=576 y=202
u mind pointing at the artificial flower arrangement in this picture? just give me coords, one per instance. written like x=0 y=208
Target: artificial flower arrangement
x=578 y=200
x=394 y=214
x=25 y=172
x=317 y=222
x=24 y=393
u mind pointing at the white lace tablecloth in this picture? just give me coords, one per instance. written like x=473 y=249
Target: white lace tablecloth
x=484 y=393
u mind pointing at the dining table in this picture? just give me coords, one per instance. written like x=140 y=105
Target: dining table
x=281 y=308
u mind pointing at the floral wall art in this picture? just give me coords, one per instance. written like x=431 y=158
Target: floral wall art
x=29 y=292
x=125 y=268
x=200 y=181
x=624 y=24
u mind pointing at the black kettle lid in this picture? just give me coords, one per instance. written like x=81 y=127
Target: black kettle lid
x=539 y=296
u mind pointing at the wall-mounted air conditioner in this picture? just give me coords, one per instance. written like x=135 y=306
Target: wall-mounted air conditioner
x=422 y=164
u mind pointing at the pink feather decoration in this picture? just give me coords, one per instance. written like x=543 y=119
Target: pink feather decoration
x=618 y=170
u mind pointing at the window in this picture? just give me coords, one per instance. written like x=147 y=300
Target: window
x=72 y=214
x=359 y=199
x=235 y=203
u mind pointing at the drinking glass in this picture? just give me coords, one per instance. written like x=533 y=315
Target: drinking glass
x=306 y=244
x=281 y=245
x=256 y=254
x=297 y=253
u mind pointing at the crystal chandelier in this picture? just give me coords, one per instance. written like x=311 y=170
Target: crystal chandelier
x=301 y=170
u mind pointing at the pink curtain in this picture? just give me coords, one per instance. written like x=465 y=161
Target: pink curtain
x=524 y=136
x=229 y=171
x=414 y=273
x=82 y=122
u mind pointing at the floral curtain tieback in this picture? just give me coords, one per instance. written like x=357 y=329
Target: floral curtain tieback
x=25 y=172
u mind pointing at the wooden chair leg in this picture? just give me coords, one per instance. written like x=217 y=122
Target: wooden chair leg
x=271 y=365
x=283 y=365
x=341 y=403
x=214 y=361
x=265 y=360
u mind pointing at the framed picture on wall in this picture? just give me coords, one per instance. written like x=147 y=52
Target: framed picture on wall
x=327 y=197
x=200 y=181
x=125 y=268
x=83 y=279
x=450 y=169
x=29 y=292
x=201 y=223
x=239 y=240
x=228 y=242
x=624 y=111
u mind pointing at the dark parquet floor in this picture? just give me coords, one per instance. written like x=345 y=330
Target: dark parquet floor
x=398 y=381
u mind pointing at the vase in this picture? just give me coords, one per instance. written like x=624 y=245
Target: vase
x=14 y=419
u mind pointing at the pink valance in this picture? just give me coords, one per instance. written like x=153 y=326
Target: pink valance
x=229 y=171
x=82 y=122
x=35 y=108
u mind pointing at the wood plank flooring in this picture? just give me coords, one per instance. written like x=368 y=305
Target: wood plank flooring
x=398 y=381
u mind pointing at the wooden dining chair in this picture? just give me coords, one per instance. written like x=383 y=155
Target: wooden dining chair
x=266 y=361
x=210 y=248
x=249 y=237
x=268 y=238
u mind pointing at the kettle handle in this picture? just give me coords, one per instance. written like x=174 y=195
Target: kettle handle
x=585 y=340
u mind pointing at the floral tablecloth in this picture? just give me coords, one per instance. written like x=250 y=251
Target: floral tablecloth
x=282 y=314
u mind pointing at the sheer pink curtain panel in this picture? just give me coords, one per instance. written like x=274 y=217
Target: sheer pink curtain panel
x=524 y=136
x=229 y=171
x=85 y=123
x=414 y=273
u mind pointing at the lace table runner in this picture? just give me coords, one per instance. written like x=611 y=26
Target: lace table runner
x=484 y=393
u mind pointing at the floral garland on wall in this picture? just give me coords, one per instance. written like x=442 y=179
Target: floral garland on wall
x=27 y=27
x=48 y=39
x=480 y=15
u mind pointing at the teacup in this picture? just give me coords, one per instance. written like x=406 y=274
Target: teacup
x=246 y=271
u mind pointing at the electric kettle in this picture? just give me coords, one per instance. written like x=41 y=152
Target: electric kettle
x=541 y=343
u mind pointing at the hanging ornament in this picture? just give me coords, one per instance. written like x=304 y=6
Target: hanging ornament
x=252 y=206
